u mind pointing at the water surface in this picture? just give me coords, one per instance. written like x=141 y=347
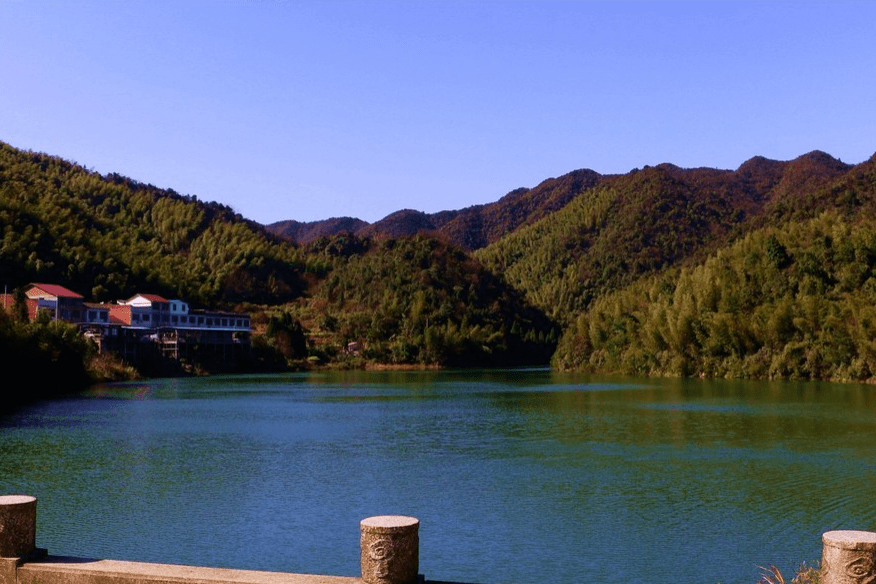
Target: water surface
x=516 y=476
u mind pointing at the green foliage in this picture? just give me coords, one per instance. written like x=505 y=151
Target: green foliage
x=608 y=237
x=628 y=227
x=53 y=358
x=111 y=236
x=765 y=271
x=741 y=313
x=419 y=301
x=287 y=336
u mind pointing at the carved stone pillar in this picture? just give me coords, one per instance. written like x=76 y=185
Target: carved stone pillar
x=848 y=557
x=390 y=549
x=17 y=525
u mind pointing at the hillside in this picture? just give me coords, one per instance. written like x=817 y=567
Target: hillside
x=768 y=272
x=649 y=220
x=470 y=228
x=420 y=300
x=306 y=232
x=109 y=237
x=759 y=187
x=764 y=271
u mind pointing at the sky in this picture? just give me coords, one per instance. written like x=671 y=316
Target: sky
x=309 y=110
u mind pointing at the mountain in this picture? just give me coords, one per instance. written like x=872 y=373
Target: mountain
x=632 y=225
x=417 y=299
x=302 y=233
x=746 y=190
x=404 y=300
x=108 y=237
x=768 y=270
x=470 y=228
x=784 y=288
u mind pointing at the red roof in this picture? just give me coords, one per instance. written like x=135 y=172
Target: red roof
x=120 y=314
x=149 y=297
x=55 y=290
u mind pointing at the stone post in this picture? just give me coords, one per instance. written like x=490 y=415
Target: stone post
x=848 y=557
x=390 y=549
x=17 y=525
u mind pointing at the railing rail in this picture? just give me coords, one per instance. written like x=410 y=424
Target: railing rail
x=389 y=549
x=389 y=555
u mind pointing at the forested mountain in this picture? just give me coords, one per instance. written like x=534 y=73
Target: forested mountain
x=648 y=220
x=420 y=300
x=404 y=300
x=768 y=270
x=109 y=236
x=470 y=228
x=306 y=232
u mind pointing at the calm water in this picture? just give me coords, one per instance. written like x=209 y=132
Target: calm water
x=524 y=477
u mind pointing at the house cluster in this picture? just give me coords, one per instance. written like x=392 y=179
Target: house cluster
x=143 y=318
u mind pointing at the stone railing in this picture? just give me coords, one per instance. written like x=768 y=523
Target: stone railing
x=389 y=555
x=848 y=557
x=389 y=549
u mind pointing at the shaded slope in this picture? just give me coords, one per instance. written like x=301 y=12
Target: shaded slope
x=108 y=236
x=417 y=300
x=303 y=233
x=470 y=228
x=648 y=220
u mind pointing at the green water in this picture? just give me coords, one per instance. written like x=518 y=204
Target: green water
x=516 y=476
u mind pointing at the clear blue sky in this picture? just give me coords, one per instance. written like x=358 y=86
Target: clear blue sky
x=308 y=110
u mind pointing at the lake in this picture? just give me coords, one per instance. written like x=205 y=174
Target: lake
x=516 y=476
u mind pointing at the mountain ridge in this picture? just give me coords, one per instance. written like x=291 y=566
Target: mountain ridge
x=478 y=226
x=766 y=270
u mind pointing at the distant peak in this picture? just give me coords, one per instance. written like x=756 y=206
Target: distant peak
x=818 y=155
x=758 y=163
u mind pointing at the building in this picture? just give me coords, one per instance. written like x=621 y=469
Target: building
x=7 y=303
x=59 y=302
x=153 y=311
x=143 y=324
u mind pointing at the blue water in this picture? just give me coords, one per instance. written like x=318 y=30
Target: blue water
x=516 y=476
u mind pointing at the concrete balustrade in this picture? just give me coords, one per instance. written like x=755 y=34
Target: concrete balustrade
x=390 y=549
x=390 y=555
x=848 y=557
x=17 y=525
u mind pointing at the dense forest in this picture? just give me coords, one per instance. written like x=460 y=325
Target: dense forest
x=470 y=228
x=419 y=300
x=762 y=271
x=765 y=271
x=405 y=301
x=107 y=236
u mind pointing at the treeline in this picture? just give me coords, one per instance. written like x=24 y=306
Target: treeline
x=417 y=300
x=405 y=301
x=41 y=359
x=106 y=236
x=793 y=302
x=762 y=271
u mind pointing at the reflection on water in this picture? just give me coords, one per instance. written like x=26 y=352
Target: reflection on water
x=516 y=476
